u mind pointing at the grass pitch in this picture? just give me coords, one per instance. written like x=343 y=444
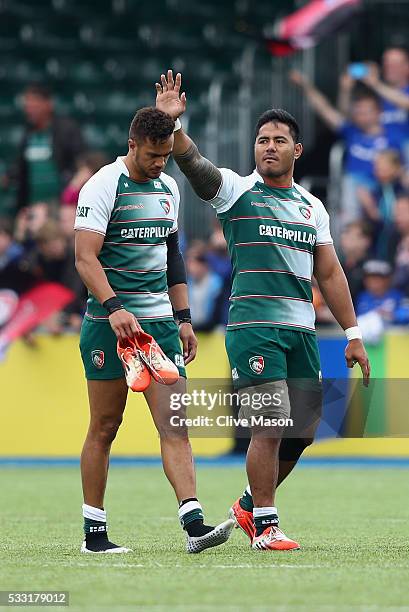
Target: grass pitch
x=353 y=525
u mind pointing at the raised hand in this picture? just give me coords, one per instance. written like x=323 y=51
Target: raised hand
x=168 y=97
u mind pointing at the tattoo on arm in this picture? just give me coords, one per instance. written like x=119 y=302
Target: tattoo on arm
x=204 y=177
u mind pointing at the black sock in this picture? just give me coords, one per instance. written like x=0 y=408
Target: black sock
x=193 y=520
x=98 y=541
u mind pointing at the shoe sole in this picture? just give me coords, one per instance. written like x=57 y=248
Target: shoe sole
x=108 y=551
x=219 y=535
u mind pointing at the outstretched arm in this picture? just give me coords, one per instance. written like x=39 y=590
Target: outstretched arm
x=334 y=288
x=204 y=176
x=328 y=113
x=392 y=94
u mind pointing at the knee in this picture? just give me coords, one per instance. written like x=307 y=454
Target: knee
x=291 y=449
x=104 y=431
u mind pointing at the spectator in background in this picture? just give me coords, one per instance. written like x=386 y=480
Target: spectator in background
x=48 y=150
x=394 y=92
x=379 y=296
x=220 y=263
x=400 y=240
x=204 y=287
x=87 y=165
x=363 y=134
x=53 y=261
x=378 y=203
x=355 y=245
x=15 y=272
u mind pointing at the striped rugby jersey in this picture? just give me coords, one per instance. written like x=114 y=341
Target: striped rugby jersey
x=271 y=235
x=135 y=218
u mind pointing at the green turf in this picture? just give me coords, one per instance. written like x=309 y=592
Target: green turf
x=353 y=526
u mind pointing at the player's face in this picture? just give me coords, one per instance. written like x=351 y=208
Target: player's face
x=150 y=158
x=275 y=150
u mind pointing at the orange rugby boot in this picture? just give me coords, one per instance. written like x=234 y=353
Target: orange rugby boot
x=243 y=519
x=137 y=375
x=273 y=538
x=162 y=369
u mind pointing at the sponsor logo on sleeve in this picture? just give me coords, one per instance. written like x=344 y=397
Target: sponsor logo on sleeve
x=82 y=211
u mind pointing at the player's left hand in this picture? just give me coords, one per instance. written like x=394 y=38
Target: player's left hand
x=355 y=353
x=168 y=97
x=189 y=342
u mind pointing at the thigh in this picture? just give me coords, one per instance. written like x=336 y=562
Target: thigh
x=159 y=398
x=166 y=334
x=98 y=351
x=304 y=385
x=256 y=356
x=107 y=399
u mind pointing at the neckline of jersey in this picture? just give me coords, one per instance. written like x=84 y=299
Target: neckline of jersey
x=265 y=186
x=126 y=173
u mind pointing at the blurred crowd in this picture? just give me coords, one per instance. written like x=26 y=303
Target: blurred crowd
x=370 y=118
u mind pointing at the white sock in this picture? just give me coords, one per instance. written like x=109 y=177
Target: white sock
x=264 y=511
x=248 y=489
x=95 y=514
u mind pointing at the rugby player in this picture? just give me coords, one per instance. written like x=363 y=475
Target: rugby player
x=127 y=254
x=278 y=236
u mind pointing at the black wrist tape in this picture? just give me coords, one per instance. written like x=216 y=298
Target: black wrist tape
x=112 y=304
x=183 y=316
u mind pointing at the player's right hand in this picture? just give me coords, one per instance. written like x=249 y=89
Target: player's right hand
x=168 y=99
x=124 y=324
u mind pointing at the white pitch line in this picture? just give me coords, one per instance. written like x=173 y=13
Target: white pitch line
x=184 y=567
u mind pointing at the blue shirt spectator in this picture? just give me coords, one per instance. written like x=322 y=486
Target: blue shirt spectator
x=379 y=296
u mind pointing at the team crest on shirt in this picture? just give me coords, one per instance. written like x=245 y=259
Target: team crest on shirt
x=98 y=359
x=256 y=364
x=305 y=211
x=165 y=205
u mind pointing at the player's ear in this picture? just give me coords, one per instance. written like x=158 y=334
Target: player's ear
x=131 y=144
x=298 y=149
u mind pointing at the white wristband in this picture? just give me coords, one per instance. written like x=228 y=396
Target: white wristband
x=353 y=333
x=178 y=125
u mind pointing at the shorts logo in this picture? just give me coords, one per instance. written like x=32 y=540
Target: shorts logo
x=256 y=363
x=234 y=374
x=179 y=361
x=306 y=212
x=98 y=359
x=165 y=205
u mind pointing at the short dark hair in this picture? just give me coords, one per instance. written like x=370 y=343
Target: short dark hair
x=39 y=89
x=364 y=93
x=401 y=48
x=278 y=115
x=152 y=123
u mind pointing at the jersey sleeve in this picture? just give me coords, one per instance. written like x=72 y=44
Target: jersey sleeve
x=95 y=204
x=232 y=187
x=174 y=189
x=323 y=230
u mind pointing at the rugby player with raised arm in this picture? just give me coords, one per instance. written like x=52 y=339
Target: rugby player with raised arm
x=278 y=237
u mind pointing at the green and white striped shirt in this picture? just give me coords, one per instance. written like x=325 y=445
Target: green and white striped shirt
x=135 y=218
x=271 y=235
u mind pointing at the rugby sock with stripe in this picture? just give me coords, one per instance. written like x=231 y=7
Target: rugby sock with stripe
x=95 y=520
x=246 y=500
x=265 y=517
x=191 y=518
